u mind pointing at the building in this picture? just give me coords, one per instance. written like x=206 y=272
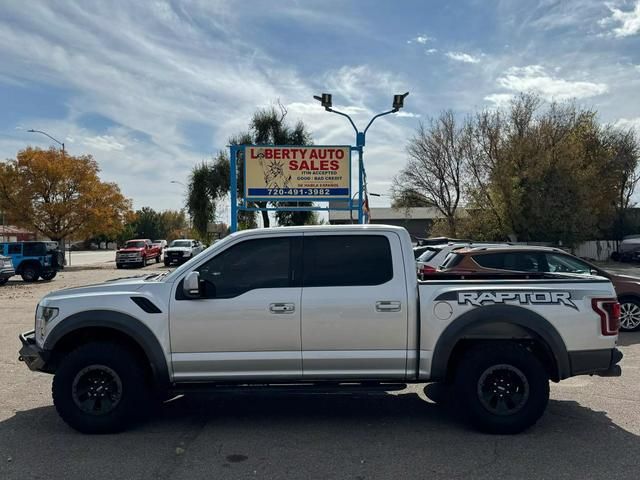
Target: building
x=10 y=233
x=416 y=220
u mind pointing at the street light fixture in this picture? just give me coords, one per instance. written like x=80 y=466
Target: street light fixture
x=326 y=101
x=52 y=138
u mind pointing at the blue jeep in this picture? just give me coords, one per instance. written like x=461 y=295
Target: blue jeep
x=33 y=260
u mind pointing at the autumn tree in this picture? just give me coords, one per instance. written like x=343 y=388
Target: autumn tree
x=435 y=171
x=61 y=196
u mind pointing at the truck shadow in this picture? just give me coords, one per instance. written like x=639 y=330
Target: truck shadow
x=384 y=436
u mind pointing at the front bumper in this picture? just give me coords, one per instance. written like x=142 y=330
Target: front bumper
x=603 y=363
x=127 y=260
x=35 y=358
x=176 y=258
x=7 y=272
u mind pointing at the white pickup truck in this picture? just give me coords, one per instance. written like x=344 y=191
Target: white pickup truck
x=320 y=308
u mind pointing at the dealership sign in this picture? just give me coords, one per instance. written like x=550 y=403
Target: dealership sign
x=296 y=173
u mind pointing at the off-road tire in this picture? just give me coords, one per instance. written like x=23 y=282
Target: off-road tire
x=50 y=275
x=487 y=373
x=134 y=397
x=30 y=273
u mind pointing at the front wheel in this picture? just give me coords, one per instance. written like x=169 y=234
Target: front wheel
x=158 y=259
x=629 y=315
x=3 y=280
x=100 y=387
x=503 y=389
x=30 y=273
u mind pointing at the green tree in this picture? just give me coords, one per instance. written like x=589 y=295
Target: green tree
x=209 y=182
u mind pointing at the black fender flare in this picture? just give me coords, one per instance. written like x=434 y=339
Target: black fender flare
x=498 y=322
x=123 y=323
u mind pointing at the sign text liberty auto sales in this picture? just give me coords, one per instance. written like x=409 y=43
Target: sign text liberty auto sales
x=294 y=173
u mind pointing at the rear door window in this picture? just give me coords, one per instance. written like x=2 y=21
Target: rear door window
x=15 y=248
x=514 y=261
x=34 y=249
x=346 y=260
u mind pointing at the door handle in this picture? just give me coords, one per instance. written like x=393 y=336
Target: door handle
x=388 y=306
x=282 y=308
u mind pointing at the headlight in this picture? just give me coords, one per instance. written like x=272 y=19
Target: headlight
x=44 y=315
x=186 y=254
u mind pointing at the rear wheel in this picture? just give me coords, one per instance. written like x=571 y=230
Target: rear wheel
x=502 y=388
x=100 y=388
x=629 y=315
x=30 y=273
x=48 y=275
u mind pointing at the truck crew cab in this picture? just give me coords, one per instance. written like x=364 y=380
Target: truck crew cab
x=320 y=308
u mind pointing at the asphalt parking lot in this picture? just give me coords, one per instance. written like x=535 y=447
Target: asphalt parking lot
x=590 y=430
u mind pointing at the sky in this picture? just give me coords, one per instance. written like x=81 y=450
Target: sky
x=152 y=88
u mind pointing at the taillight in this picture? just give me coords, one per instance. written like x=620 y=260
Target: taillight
x=427 y=269
x=609 y=311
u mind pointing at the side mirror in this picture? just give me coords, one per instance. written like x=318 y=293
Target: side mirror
x=191 y=285
x=594 y=272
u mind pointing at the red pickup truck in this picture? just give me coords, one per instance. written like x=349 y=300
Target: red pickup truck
x=138 y=252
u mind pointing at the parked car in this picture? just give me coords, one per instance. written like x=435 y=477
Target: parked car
x=33 y=260
x=6 y=269
x=160 y=243
x=138 y=252
x=179 y=251
x=547 y=259
x=628 y=250
x=434 y=255
x=320 y=308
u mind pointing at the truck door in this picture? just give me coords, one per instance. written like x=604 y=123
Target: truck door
x=246 y=325
x=354 y=306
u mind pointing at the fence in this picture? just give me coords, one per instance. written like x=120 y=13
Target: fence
x=595 y=249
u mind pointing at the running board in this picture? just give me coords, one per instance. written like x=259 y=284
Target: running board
x=290 y=388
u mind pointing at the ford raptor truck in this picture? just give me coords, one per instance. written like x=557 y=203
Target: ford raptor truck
x=320 y=308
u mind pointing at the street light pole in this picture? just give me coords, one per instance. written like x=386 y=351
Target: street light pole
x=351 y=209
x=46 y=134
x=180 y=183
x=326 y=102
x=61 y=145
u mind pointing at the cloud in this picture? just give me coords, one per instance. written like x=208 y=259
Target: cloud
x=462 y=57
x=534 y=78
x=106 y=143
x=421 y=39
x=628 y=21
x=431 y=51
x=627 y=123
x=500 y=100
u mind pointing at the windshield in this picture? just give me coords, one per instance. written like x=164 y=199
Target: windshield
x=136 y=244
x=180 y=243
